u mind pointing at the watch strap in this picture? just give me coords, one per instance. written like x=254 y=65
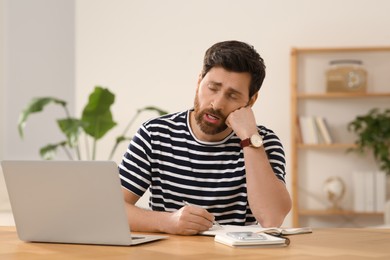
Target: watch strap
x=246 y=142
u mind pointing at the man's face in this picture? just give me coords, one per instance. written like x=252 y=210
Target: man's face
x=209 y=120
x=218 y=94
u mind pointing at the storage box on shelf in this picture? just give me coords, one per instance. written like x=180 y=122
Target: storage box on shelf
x=314 y=161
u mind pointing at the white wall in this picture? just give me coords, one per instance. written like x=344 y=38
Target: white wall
x=4 y=202
x=37 y=59
x=2 y=95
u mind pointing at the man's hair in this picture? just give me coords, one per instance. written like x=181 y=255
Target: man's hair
x=236 y=56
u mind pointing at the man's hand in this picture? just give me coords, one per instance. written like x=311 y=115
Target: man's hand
x=242 y=121
x=190 y=220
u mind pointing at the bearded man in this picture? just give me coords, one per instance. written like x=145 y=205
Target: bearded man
x=213 y=162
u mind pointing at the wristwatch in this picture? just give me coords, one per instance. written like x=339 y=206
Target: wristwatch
x=255 y=141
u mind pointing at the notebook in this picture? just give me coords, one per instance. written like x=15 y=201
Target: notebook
x=250 y=239
x=222 y=229
x=77 y=202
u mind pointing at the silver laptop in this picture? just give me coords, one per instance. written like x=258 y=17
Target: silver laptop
x=77 y=202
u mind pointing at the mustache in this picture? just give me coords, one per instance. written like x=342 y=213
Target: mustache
x=217 y=113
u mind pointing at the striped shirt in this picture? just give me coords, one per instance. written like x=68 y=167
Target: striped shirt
x=166 y=157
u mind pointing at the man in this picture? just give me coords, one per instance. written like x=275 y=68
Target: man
x=210 y=163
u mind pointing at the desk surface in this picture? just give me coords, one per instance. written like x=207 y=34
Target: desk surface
x=345 y=243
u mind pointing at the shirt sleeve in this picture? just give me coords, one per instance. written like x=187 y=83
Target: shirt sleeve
x=135 y=168
x=275 y=152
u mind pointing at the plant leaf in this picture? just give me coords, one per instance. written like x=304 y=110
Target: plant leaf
x=373 y=135
x=49 y=151
x=153 y=108
x=36 y=105
x=72 y=129
x=97 y=118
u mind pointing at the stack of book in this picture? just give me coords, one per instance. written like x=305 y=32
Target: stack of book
x=314 y=130
x=253 y=235
x=369 y=190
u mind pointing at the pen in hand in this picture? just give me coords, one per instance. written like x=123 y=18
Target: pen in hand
x=215 y=223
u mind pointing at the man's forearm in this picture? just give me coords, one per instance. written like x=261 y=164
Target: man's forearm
x=267 y=195
x=146 y=220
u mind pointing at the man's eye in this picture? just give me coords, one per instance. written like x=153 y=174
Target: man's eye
x=213 y=88
x=233 y=96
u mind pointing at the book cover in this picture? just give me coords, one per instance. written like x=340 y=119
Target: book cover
x=324 y=130
x=308 y=130
x=369 y=190
x=313 y=130
x=359 y=192
x=380 y=191
x=299 y=131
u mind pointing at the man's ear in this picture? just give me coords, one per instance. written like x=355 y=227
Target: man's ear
x=199 y=78
x=253 y=99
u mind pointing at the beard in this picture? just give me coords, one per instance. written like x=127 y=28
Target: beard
x=207 y=127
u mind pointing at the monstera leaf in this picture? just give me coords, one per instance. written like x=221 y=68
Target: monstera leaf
x=36 y=105
x=97 y=117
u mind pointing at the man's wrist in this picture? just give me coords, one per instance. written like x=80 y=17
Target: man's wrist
x=254 y=140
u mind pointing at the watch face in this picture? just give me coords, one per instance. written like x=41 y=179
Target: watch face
x=256 y=140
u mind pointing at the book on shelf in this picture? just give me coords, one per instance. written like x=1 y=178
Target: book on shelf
x=298 y=133
x=380 y=191
x=323 y=127
x=314 y=130
x=308 y=130
x=369 y=191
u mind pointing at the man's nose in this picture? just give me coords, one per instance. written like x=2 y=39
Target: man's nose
x=218 y=102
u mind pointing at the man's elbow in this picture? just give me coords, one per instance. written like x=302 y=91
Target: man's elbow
x=275 y=218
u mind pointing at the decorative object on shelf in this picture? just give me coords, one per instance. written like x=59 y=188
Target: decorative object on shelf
x=334 y=188
x=373 y=136
x=346 y=76
x=95 y=122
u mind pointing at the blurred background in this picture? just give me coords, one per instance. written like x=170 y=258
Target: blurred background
x=150 y=53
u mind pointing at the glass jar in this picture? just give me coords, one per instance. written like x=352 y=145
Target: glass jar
x=346 y=76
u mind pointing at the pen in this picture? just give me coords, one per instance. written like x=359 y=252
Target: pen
x=214 y=222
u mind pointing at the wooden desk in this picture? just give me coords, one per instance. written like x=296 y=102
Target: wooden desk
x=322 y=243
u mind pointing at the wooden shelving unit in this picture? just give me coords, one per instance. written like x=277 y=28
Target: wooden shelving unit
x=316 y=93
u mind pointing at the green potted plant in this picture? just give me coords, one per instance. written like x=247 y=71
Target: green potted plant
x=373 y=136
x=96 y=120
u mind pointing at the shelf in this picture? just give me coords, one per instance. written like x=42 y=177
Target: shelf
x=339 y=212
x=309 y=98
x=341 y=95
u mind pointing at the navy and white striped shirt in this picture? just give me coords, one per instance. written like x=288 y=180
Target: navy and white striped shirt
x=166 y=157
